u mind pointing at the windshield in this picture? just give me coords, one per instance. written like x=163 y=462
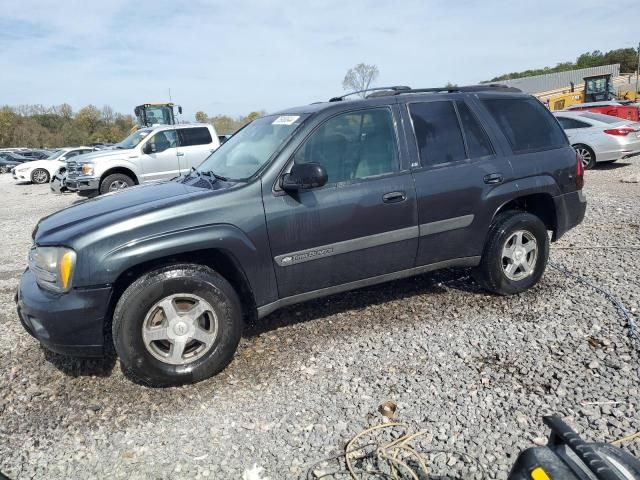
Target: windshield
x=249 y=149
x=134 y=139
x=55 y=154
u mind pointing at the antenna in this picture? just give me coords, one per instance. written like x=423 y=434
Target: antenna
x=170 y=95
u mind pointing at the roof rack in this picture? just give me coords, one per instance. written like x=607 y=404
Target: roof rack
x=468 y=88
x=402 y=89
x=396 y=88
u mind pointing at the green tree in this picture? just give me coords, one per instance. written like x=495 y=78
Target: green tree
x=202 y=117
x=88 y=119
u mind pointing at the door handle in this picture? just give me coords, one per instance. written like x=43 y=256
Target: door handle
x=394 y=197
x=493 y=178
x=180 y=154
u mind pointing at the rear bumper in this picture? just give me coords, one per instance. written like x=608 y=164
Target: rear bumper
x=570 y=210
x=70 y=323
x=80 y=184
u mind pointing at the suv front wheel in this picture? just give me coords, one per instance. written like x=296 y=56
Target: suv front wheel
x=175 y=325
x=515 y=255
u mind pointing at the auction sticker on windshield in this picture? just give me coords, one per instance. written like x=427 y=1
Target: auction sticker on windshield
x=285 y=120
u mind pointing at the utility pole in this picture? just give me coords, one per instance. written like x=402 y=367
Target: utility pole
x=637 y=72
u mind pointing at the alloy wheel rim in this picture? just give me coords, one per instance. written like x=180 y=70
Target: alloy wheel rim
x=117 y=185
x=519 y=255
x=585 y=156
x=180 y=329
x=39 y=176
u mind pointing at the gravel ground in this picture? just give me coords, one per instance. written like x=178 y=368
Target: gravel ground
x=475 y=371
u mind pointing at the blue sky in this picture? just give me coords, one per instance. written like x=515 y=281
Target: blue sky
x=235 y=56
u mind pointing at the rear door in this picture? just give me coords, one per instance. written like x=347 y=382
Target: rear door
x=362 y=223
x=162 y=163
x=458 y=173
x=196 y=144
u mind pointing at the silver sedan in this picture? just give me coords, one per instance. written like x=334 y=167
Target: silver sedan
x=600 y=138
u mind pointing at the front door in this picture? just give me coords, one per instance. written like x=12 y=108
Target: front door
x=163 y=161
x=361 y=224
x=458 y=174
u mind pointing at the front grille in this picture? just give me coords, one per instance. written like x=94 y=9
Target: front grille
x=74 y=169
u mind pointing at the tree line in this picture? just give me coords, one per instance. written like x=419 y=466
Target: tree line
x=226 y=125
x=626 y=57
x=38 y=126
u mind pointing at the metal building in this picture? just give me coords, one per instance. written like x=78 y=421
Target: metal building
x=560 y=80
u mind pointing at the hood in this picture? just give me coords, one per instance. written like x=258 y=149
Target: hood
x=71 y=223
x=46 y=164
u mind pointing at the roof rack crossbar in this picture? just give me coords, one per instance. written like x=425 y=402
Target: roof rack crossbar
x=469 y=88
x=395 y=88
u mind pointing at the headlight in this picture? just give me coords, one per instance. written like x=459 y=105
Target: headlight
x=87 y=168
x=53 y=267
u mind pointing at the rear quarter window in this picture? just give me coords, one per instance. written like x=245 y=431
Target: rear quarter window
x=526 y=123
x=194 y=136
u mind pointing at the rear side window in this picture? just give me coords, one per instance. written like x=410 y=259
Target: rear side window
x=478 y=143
x=194 y=136
x=526 y=124
x=437 y=132
x=568 y=123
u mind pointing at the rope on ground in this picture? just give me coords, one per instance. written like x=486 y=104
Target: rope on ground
x=630 y=323
x=398 y=458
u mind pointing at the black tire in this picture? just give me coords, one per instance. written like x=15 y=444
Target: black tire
x=137 y=300
x=115 y=179
x=490 y=273
x=588 y=155
x=40 y=176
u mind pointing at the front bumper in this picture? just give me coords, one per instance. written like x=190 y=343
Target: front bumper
x=21 y=176
x=570 y=210
x=58 y=183
x=80 y=184
x=71 y=323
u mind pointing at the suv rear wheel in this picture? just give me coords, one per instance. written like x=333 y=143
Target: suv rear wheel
x=515 y=255
x=175 y=325
x=115 y=182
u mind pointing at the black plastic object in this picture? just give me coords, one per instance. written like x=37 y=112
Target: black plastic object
x=567 y=456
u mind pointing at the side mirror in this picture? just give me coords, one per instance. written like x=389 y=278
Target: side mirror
x=148 y=148
x=179 y=109
x=304 y=176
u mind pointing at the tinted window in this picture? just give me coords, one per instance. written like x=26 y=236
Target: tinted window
x=194 y=136
x=477 y=141
x=437 y=132
x=526 y=124
x=72 y=153
x=568 y=123
x=353 y=145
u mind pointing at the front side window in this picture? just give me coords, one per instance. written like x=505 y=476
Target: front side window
x=194 y=136
x=163 y=140
x=526 y=124
x=437 y=132
x=353 y=145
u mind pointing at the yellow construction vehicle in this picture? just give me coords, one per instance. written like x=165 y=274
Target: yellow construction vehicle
x=151 y=114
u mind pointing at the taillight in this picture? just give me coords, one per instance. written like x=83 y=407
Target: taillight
x=621 y=132
x=579 y=172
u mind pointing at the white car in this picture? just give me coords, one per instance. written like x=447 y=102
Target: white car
x=41 y=171
x=147 y=155
x=600 y=138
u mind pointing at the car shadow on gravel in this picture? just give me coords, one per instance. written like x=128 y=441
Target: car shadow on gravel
x=434 y=283
x=612 y=166
x=82 y=367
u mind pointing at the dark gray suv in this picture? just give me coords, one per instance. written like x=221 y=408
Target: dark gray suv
x=308 y=202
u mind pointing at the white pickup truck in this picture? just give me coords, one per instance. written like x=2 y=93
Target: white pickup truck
x=149 y=154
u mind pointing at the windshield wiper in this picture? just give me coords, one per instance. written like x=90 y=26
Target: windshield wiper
x=215 y=175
